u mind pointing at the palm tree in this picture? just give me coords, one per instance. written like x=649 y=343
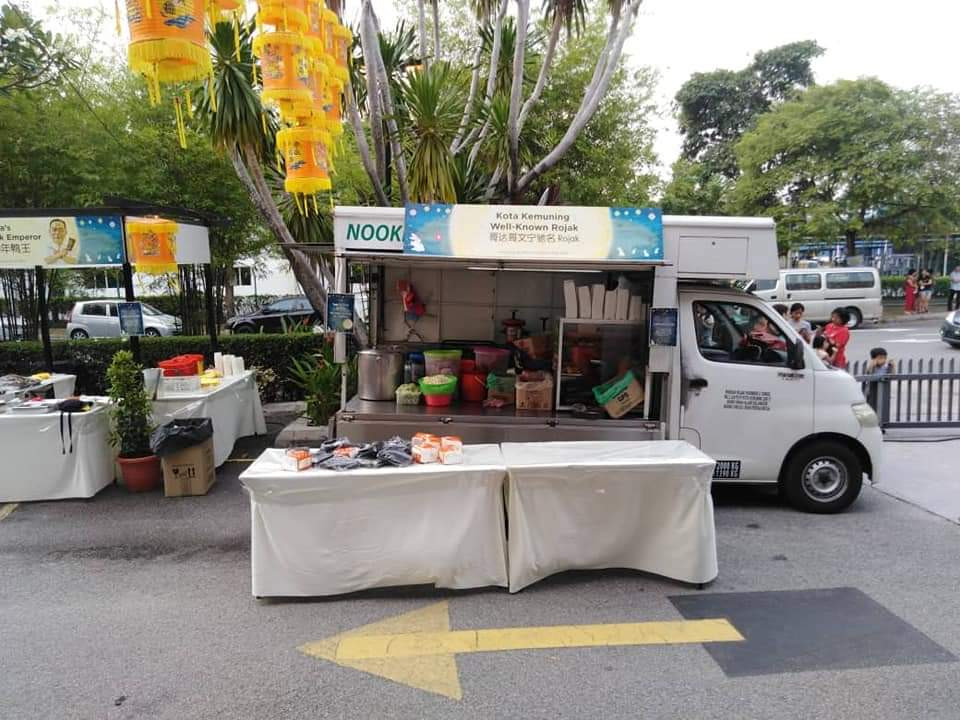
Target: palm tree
x=238 y=124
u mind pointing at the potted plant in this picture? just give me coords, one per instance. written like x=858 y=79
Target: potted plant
x=130 y=413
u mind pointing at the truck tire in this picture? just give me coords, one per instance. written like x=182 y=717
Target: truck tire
x=823 y=477
x=856 y=318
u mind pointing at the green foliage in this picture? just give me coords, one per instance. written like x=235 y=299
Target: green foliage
x=694 y=190
x=29 y=56
x=89 y=359
x=130 y=409
x=613 y=160
x=892 y=286
x=716 y=108
x=852 y=157
x=319 y=379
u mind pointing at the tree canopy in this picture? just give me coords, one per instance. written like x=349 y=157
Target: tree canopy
x=853 y=157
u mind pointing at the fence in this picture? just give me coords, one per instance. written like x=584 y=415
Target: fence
x=914 y=397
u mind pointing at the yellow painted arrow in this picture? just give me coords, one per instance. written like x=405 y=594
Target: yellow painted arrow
x=419 y=649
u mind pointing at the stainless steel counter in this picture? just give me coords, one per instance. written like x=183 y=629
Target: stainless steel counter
x=365 y=420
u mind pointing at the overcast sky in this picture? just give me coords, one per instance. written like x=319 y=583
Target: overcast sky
x=904 y=44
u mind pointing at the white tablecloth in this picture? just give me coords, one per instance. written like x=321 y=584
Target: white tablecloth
x=234 y=406
x=579 y=505
x=61 y=383
x=320 y=532
x=35 y=468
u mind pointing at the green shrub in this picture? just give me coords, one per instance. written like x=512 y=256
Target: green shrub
x=130 y=410
x=89 y=359
x=892 y=286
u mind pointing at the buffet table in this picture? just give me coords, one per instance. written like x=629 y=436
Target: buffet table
x=61 y=384
x=234 y=406
x=37 y=466
x=320 y=532
x=580 y=505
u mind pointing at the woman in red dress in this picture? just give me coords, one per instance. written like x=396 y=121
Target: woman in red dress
x=910 y=291
x=838 y=334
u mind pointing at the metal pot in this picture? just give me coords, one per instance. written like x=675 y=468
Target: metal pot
x=380 y=372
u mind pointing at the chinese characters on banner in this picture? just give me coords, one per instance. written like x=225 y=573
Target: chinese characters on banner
x=61 y=241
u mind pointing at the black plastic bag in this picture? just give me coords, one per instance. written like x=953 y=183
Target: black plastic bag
x=179 y=435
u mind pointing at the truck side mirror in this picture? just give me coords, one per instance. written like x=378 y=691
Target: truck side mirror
x=795 y=355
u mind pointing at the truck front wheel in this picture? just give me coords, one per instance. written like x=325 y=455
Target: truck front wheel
x=823 y=477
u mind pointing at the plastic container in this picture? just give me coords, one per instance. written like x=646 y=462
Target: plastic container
x=408 y=394
x=503 y=387
x=492 y=359
x=438 y=394
x=418 y=366
x=442 y=362
x=473 y=387
x=181 y=365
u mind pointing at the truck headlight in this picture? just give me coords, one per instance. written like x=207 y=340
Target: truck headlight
x=865 y=415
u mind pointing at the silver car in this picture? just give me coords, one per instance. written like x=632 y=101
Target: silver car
x=99 y=318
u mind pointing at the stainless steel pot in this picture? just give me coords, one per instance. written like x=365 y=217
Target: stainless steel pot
x=379 y=374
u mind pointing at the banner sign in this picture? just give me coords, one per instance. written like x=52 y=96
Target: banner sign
x=340 y=312
x=368 y=228
x=61 y=241
x=663 y=326
x=131 y=318
x=534 y=232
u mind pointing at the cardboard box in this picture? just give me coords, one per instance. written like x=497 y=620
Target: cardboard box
x=536 y=394
x=190 y=471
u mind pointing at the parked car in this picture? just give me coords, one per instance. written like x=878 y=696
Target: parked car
x=950 y=330
x=276 y=316
x=99 y=318
x=822 y=289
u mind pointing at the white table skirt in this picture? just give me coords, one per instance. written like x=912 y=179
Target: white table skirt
x=320 y=532
x=592 y=505
x=234 y=406
x=35 y=468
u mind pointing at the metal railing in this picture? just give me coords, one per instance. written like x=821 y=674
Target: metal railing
x=914 y=397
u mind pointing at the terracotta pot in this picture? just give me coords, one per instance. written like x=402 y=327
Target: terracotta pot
x=141 y=474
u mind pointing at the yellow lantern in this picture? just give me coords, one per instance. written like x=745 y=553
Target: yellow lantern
x=315 y=10
x=332 y=107
x=167 y=42
x=285 y=15
x=342 y=37
x=287 y=70
x=307 y=163
x=152 y=244
x=330 y=21
x=313 y=113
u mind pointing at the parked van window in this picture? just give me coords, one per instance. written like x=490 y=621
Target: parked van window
x=734 y=333
x=95 y=309
x=849 y=280
x=805 y=281
x=762 y=285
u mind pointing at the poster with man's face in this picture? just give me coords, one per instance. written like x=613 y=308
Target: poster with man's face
x=69 y=241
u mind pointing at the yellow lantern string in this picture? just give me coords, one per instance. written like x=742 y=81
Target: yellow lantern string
x=330 y=197
x=236 y=36
x=189 y=102
x=181 y=132
x=296 y=199
x=315 y=208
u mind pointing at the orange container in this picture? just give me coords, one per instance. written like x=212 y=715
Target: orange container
x=473 y=386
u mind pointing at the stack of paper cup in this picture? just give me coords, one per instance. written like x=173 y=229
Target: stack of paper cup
x=227 y=365
x=236 y=365
x=218 y=362
x=240 y=365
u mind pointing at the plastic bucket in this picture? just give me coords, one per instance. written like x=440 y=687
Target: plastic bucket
x=473 y=387
x=491 y=359
x=442 y=362
x=438 y=400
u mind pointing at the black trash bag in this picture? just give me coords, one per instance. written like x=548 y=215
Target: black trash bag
x=179 y=435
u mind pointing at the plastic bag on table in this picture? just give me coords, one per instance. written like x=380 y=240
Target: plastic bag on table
x=180 y=434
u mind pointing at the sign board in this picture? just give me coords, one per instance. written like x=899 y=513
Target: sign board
x=57 y=242
x=534 y=232
x=663 y=326
x=368 y=228
x=340 y=312
x=131 y=318
x=193 y=244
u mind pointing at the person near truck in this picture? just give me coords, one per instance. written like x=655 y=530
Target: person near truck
x=924 y=291
x=953 y=300
x=801 y=326
x=878 y=393
x=838 y=334
x=910 y=292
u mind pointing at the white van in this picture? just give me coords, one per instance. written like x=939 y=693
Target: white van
x=821 y=290
x=724 y=371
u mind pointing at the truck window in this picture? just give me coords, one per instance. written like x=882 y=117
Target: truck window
x=805 y=281
x=733 y=333
x=849 y=280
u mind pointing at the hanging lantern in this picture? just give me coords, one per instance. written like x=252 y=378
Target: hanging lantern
x=284 y=15
x=332 y=107
x=286 y=69
x=167 y=42
x=314 y=113
x=315 y=10
x=342 y=37
x=307 y=163
x=152 y=245
x=330 y=21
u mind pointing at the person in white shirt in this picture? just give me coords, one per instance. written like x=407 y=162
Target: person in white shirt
x=803 y=327
x=953 y=301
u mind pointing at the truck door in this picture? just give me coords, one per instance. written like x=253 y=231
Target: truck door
x=741 y=401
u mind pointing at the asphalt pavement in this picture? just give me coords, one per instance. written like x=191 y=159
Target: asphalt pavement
x=137 y=606
x=911 y=339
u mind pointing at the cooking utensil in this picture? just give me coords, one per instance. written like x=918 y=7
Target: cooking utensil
x=380 y=372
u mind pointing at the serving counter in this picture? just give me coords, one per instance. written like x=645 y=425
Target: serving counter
x=366 y=421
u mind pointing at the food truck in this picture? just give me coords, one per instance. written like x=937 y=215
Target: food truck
x=571 y=323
